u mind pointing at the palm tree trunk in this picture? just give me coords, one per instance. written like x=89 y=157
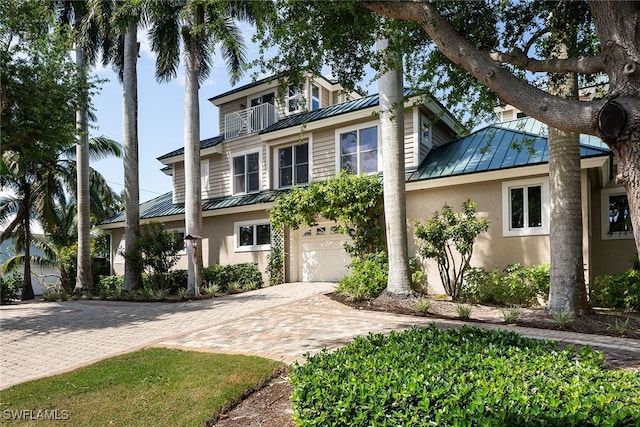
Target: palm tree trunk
x=395 y=206
x=567 y=291
x=84 y=278
x=193 y=195
x=132 y=274
x=27 y=289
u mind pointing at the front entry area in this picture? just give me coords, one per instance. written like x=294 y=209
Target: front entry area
x=321 y=255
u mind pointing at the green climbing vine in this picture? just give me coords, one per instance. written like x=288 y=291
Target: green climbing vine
x=353 y=201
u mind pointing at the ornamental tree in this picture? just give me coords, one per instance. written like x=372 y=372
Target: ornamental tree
x=448 y=238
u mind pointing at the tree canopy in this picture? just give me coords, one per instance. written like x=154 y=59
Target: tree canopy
x=474 y=56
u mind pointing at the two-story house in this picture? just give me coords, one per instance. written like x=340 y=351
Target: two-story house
x=271 y=141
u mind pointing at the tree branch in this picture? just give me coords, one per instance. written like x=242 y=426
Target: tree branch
x=589 y=65
x=574 y=116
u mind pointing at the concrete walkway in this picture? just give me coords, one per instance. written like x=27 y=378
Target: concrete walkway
x=282 y=322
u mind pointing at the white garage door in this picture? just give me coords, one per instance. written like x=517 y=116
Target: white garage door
x=322 y=257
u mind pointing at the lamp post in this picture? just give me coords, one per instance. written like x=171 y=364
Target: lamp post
x=191 y=244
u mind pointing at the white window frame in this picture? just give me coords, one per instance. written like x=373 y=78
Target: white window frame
x=249 y=248
x=357 y=129
x=507 y=231
x=297 y=96
x=293 y=165
x=204 y=175
x=182 y=231
x=312 y=98
x=233 y=174
x=604 y=215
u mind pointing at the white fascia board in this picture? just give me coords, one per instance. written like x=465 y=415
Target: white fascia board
x=473 y=178
x=502 y=174
x=217 y=149
x=242 y=94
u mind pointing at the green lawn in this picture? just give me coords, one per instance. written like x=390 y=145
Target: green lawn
x=151 y=387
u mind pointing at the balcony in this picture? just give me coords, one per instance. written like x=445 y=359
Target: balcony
x=251 y=120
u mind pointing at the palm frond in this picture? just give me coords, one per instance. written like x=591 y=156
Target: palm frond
x=232 y=47
x=164 y=35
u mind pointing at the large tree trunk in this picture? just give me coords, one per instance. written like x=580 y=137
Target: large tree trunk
x=193 y=195
x=618 y=26
x=84 y=279
x=132 y=273
x=395 y=206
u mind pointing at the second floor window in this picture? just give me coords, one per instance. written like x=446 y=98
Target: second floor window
x=246 y=173
x=315 y=97
x=359 y=150
x=293 y=165
x=293 y=100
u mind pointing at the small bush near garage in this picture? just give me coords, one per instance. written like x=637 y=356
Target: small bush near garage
x=621 y=291
x=466 y=376
x=110 y=286
x=517 y=285
x=367 y=279
x=246 y=274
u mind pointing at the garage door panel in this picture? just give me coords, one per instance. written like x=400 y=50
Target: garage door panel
x=322 y=255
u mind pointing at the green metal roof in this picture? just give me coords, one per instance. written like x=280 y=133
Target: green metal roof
x=331 y=111
x=518 y=143
x=163 y=206
x=205 y=143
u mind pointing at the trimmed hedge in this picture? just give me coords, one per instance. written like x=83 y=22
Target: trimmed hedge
x=621 y=291
x=247 y=275
x=516 y=285
x=463 y=377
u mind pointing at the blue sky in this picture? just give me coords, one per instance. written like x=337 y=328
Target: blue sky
x=160 y=116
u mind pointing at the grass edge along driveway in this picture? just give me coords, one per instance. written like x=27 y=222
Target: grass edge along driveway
x=153 y=386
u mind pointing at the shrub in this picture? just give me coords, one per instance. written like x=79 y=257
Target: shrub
x=275 y=266
x=466 y=376
x=246 y=274
x=367 y=279
x=621 y=291
x=9 y=287
x=110 y=286
x=156 y=249
x=517 y=285
x=171 y=281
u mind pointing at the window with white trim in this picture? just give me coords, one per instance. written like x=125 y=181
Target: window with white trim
x=179 y=235
x=294 y=100
x=315 y=97
x=204 y=175
x=616 y=215
x=525 y=207
x=252 y=236
x=358 y=150
x=293 y=165
x=246 y=173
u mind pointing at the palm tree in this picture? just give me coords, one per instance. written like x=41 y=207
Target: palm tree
x=40 y=193
x=71 y=14
x=112 y=28
x=392 y=136
x=198 y=26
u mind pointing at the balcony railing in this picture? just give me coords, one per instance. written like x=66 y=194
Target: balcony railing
x=251 y=120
